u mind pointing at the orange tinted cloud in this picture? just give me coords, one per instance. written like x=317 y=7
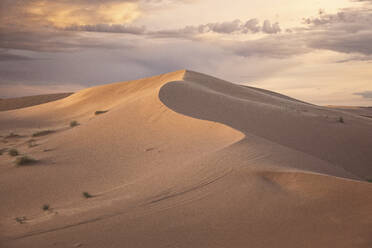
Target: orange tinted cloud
x=65 y=13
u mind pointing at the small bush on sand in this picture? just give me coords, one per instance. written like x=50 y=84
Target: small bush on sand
x=2 y=151
x=98 y=112
x=24 y=160
x=21 y=220
x=42 y=133
x=12 y=135
x=13 y=152
x=87 y=195
x=74 y=123
x=31 y=143
x=369 y=180
x=341 y=120
x=46 y=207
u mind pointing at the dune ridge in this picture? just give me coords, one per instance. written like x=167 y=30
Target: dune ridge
x=186 y=160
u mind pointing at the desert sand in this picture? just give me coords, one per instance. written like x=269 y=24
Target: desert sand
x=27 y=101
x=185 y=160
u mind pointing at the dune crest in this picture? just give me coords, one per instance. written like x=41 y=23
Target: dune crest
x=185 y=160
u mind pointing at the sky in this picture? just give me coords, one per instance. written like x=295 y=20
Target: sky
x=316 y=51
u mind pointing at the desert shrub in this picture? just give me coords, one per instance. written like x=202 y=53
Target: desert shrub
x=12 y=135
x=341 y=120
x=2 y=151
x=46 y=207
x=24 y=160
x=74 y=123
x=87 y=195
x=42 y=133
x=369 y=180
x=98 y=112
x=31 y=143
x=13 y=152
x=21 y=220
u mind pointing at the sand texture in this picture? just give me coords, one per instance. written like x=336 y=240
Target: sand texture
x=28 y=101
x=185 y=160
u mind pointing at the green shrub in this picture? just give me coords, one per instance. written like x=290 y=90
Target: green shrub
x=42 y=133
x=369 y=180
x=87 y=195
x=74 y=123
x=24 y=160
x=13 y=152
x=98 y=112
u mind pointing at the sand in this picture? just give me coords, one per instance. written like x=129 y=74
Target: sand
x=185 y=160
x=28 y=101
x=361 y=111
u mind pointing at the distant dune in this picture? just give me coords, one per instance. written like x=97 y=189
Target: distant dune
x=185 y=160
x=362 y=111
x=27 y=101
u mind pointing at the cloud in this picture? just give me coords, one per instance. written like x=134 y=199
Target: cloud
x=115 y=28
x=348 y=31
x=364 y=94
x=62 y=13
x=279 y=47
x=271 y=28
x=229 y=27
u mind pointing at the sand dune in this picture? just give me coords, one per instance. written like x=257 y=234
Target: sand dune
x=361 y=111
x=28 y=101
x=185 y=160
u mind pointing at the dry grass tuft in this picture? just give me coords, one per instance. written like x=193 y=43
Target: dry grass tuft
x=25 y=160
x=13 y=152
x=74 y=124
x=43 y=133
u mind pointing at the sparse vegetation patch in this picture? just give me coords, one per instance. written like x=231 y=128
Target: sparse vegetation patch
x=25 y=160
x=2 y=151
x=42 y=133
x=46 y=207
x=12 y=135
x=13 y=152
x=87 y=195
x=74 y=123
x=369 y=180
x=341 y=120
x=21 y=220
x=31 y=143
x=98 y=112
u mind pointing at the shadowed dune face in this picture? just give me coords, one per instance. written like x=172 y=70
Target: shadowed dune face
x=311 y=129
x=28 y=101
x=185 y=160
